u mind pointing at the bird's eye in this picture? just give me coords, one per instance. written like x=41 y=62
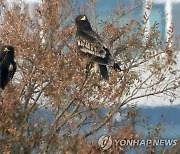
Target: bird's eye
x=83 y=18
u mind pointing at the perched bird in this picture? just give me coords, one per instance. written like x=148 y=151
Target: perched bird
x=7 y=65
x=92 y=46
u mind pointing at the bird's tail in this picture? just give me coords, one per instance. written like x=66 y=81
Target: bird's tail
x=104 y=72
x=116 y=67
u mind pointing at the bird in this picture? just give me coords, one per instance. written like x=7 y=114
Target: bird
x=7 y=65
x=90 y=45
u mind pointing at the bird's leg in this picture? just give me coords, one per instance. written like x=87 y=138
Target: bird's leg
x=87 y=70
x=96 y=67
x=88 y=67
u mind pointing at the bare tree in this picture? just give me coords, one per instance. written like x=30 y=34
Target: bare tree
x=54 y=103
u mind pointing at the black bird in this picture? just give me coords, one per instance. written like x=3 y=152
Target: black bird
x=7 y=65
x=91 y=45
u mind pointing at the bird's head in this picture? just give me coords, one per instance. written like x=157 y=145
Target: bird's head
x=82 y=22
x=8 y=49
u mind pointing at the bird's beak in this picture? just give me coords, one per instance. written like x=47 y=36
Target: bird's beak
x=6 y=49
x=83 y=18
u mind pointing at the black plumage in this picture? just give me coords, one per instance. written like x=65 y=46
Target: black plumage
x=7 y=65
x=91 y=45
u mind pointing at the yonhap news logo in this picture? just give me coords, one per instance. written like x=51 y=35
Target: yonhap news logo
x=105 y=142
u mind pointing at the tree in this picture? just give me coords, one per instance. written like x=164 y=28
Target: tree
x=54 y=103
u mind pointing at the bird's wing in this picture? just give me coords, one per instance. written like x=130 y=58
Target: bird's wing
x=2 y=56
x=12 y=69
x=90 y=42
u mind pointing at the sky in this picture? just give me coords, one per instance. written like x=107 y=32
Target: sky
x=168 y=8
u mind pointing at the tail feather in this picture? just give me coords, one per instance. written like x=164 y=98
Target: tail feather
x=116 y=67
x=104 y=72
